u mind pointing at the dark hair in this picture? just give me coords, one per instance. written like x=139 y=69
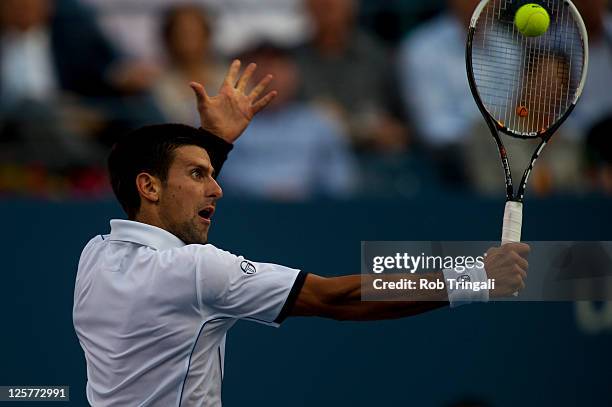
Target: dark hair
x=148 y=149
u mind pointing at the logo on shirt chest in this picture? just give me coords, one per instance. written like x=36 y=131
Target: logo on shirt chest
x=248 y=268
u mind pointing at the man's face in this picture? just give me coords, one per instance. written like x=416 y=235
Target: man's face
x=189 y=40
x=188 y=197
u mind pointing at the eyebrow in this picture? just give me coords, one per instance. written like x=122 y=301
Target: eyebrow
x=206 y=168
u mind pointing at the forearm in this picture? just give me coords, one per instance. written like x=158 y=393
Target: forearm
x=343 y=298
x=348 y=297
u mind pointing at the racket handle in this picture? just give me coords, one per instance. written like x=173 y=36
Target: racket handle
x=513 y=220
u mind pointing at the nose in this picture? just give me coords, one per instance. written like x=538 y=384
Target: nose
x=215 y=190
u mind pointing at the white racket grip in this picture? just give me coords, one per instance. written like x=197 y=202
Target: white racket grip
x=513 y=220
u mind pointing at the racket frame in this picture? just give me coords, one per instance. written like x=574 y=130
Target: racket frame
x=496 y=127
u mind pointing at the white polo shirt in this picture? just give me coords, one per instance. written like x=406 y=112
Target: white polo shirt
x=151 y=314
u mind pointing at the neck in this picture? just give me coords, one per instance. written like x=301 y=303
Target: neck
x=332 y=42
x=149 y=218
x=190 y=66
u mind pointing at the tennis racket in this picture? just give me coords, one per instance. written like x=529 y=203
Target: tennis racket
x=525 y=87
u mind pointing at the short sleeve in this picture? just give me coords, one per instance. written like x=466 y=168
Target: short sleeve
x=233 y=286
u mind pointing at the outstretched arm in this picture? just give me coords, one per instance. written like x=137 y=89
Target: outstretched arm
x=228 y=114
x=341 y=297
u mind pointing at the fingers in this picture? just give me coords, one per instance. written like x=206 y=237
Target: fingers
x=246 y=77
x=243 y=82
x=257 y=90
x=264 y=101
x=521 y=262
x=522 y=249
x=261 y=86
x=200 y=93
x=515 y=282
x=508 y=266
x=520 y=271
x=233 y=80
x=232 y=73
x=521 y=285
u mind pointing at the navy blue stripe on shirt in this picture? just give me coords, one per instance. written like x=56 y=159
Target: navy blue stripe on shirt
x=292 y=297
x=191 y=354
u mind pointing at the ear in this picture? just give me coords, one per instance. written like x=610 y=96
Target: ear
x=149 y=187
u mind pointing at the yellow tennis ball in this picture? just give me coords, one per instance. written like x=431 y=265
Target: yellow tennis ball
x=532 y=20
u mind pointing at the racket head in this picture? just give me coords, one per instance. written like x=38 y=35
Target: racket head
x=526 y=86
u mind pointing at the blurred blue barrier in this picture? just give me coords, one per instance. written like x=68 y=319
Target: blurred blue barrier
x=510 y=354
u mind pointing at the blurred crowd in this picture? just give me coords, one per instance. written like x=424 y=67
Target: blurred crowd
x=373 y=96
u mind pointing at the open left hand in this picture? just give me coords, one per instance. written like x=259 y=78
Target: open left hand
x=229 y=113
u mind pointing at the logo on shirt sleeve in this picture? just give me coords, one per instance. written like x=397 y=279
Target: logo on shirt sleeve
x=464 y=278
x=248 y=268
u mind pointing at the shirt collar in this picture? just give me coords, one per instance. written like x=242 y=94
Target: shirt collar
x=144 y=234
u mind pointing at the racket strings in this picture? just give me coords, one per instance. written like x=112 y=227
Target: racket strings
x=527 y=84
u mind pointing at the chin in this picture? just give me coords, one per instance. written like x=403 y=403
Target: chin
x=203 y=238
x=195 y=241
x=192 y=235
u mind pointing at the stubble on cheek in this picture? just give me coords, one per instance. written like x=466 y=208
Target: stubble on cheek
x=182 y=221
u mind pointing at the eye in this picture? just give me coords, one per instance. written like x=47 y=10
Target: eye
x=196 y=173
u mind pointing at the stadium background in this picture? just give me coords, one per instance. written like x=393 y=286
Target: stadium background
x=531 y=354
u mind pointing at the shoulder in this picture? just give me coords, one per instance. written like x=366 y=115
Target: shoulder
x=308 y=112
x=92 y=244
x=209 y=257
x=205 y=250
x=435 y=33
x=94 y=240
x=321 y=124
x=91 y=253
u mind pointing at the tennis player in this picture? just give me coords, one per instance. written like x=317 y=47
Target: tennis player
x=153 y=301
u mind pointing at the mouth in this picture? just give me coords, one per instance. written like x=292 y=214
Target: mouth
x=206 y=214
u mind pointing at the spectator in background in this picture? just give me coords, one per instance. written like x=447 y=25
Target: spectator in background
x=596 y=101
x=132 y=24
x=281 y=21
x=41 y=60
x=59 y=82
x=291 y=151
x=59 y=45
x=186 y=34
x=347 y=71
x=559 y=169
x=438 y=98
x=435 y=91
